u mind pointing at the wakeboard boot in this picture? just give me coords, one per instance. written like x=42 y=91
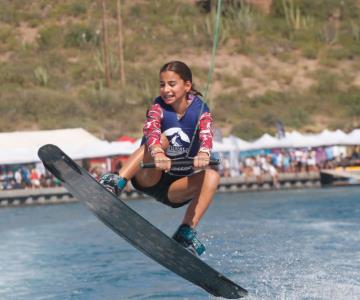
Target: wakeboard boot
x=186 y=236
x=113 y=182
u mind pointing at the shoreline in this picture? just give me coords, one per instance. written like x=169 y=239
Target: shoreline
x=59 y=195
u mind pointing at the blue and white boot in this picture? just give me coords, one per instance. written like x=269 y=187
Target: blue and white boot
x=114 y=183
x=186 y=236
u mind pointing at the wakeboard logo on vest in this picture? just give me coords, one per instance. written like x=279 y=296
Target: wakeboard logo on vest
x=177 y=140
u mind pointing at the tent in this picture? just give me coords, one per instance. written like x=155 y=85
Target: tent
x=238 y=143
x=266 y=141
x=222 y=147
x=22 y=147
x=296 y=139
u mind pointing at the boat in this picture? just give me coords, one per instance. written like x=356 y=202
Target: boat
x=341 y=176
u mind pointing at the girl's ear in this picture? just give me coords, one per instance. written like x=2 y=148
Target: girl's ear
x=188 y=86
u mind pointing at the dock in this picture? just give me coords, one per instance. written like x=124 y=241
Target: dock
x=58 y=195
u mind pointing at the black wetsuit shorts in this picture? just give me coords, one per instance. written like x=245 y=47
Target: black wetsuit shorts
x=160 y=190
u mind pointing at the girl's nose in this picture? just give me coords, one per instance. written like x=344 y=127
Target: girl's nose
x=166 y=88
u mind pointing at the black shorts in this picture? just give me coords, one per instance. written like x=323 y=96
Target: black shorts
x=160 y=190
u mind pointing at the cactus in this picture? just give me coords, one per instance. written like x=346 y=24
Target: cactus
x=293 y=16
x=41 y=76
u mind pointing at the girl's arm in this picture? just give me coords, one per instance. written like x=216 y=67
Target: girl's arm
x=206 y=133
x=152 y=133
x=152 y=127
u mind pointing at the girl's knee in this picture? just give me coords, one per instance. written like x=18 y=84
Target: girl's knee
x=212 y=176
x=148 y=177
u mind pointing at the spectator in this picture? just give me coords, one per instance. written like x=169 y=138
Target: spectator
x=226 y=166
x=274 y=176
x=287 y=163
x=25 y=176
x=311 y=161
x=18 y=179
x=35 y=178
x=257 y=172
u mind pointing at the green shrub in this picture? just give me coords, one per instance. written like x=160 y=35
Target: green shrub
x=42 y=106
x=248 y=130
x=8 y=38
x=298 y=118
x=11 y=74
x=343 y=53
x=241 y=20
x=328 y=83
x=50 y=37
x=76 y=8
x=310 y=51
x=318 y=9
x=355 y=31
x=8 y=12
x=80 y=36
x=351 y=101
x=6 y=33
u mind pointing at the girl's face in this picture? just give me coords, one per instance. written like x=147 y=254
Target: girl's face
x=173 y=89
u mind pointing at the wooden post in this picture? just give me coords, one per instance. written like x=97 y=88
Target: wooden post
x=105 y=45
x=120 y=44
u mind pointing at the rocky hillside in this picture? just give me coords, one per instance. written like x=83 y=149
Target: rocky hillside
x=297 y=61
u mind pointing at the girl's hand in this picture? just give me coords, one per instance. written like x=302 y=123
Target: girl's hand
x=162 y=162
x=201 y=160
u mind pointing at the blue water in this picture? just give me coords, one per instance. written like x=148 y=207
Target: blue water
x=302 y=244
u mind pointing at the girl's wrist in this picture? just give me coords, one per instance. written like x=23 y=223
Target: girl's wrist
x=156 y=150
x=204 y=150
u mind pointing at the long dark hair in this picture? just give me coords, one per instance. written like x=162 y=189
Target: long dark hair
x=183 y=71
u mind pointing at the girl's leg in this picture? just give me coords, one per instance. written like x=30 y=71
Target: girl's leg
x=131 y=168
x=201 y=188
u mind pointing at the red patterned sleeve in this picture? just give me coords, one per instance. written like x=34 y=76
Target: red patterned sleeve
x=206 y=132
x=152 y=127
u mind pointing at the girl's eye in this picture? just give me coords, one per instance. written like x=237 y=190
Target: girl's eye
x=171 y=84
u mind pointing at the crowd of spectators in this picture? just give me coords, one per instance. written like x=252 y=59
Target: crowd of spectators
x=288 y=161
x=26 y=177
x=33 y=176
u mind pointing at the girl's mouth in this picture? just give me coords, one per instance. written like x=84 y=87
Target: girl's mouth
x=168 y=97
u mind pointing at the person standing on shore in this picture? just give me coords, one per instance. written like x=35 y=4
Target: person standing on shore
x=178 y=125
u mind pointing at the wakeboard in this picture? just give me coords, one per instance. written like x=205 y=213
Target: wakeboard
x=135 y=229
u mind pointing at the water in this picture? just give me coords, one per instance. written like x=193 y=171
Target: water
x=302 y=244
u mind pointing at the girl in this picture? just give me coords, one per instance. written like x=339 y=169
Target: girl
x=178 y=125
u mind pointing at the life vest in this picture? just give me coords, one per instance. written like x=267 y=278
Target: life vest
x=180 y=132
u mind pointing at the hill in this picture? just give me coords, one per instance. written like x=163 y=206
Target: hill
x=297 y=62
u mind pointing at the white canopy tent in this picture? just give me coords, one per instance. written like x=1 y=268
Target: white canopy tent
x=352 y=138
x=330 y=138
x=327 y=138
x=295 y=139
x=238 y=145
x=22 y=147
x=264 y=142
x=236 y=142
x=222 y=147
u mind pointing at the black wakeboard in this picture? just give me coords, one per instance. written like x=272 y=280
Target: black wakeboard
x=140 y=233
